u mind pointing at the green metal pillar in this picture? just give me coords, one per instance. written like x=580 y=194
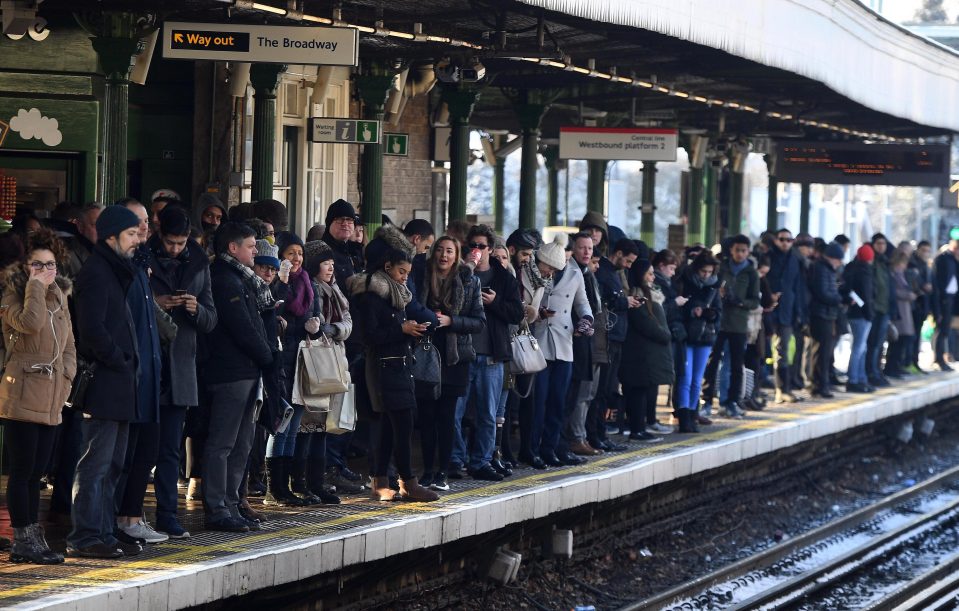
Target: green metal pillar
x=552 y=167
x=596 y=186
x=712 y=205
x=499 y=194
x=648 y=222
x=460 y=101
x=264 y=78
x=772 y=198
x=804 y=206
x=530 y=116
x=735 y=203
x=372 y=89
x=694 y=219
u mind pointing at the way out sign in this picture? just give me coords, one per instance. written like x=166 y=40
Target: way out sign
x=261 y=43
x=344 y=131
x=629 y=143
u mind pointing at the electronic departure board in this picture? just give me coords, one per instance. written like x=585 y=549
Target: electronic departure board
x=853 y=163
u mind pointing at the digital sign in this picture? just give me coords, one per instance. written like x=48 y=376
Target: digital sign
x=853 y=163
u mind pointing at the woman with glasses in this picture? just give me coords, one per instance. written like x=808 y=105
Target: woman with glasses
x=39 y=365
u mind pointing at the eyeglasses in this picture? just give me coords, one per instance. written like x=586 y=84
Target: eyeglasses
x=786 y=239
x=345 y=220
x=38 y=265
x=476 y=246
x=272 y=233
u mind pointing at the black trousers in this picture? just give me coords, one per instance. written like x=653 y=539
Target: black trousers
x=66 y=457
x=736 y=344
x=395 y=441
x=142 y=449
x=437 y=427
x=28 y=446
x=311 y=448
x=641 y=404
x=526 y=407
x=822 y=334
x=596 y=416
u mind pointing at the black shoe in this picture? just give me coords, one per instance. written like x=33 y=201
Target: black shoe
x=500 y=467
x=97 y=550
x=894 y=374
x=427 y=479
x=616 y=447
x=644 y=436
x=455 y=472
x=880 y=382
x=439 y=482
x=856 y=387
x=570 y=459
x=251 y=525
x=943 y=366
x=823 y=394
x=129 y=549
x=533 y=461
x=122 y=537
x=228 y=525
x=326 y=497
x=551 y=460
x=255 y=488
x=870 y=388
x=487 y=473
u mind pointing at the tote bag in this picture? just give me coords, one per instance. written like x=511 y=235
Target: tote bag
x=342 y=415
x=322 y=368
x=527 y=356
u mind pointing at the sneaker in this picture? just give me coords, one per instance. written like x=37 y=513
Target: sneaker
x=455 y=472
x=343 y=484
x=97 y=550
x=129 y=549
x=142 y=530
x=172 y=529
x=440 y=482
x=352 y=476
x=227 y=524
x=732 y=410
x=656 y=427
x=644 y=436
x=125 y=538
x=427 y=480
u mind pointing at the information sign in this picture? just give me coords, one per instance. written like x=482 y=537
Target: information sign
x=628 y=143
x=344 y=131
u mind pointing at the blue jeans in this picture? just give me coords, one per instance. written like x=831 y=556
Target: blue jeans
x=552 y=385
x=857 y=357
x=691 y=380
x=486 y=384
x=102 y=455
x=168 y=461
x=877 y=337
x=283 y=444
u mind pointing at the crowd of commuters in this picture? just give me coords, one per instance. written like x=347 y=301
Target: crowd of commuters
x=159 y=341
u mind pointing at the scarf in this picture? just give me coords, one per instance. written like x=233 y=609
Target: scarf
x=735 y=268
x=256 y=285
x=396 y=294
x=302 y=291
x=333 y=300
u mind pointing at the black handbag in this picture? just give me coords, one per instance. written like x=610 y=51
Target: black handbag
x=81 y=382
x=427 y=369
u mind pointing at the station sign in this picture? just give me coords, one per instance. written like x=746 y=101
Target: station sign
x=856 y=163
x=344 y=131
x=397 y=145
x=618 y=143
x=261 y=43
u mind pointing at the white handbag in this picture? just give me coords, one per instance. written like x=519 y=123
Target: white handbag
x=342 y=415
x=527 y=356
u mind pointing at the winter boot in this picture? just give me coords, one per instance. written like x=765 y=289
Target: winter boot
x=497 y=461
x=687 y=421
x=26 y=548
x=41 y=540
x=410 y=490
x=277 y=484
x=317 y=483
x=298 y=482
x=381 y=489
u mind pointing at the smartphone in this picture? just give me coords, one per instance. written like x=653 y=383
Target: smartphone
x=427 y=323
x=487 y=289
x=549 y=311
x=179 y=293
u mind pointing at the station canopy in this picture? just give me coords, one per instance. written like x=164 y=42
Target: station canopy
x=812 y=69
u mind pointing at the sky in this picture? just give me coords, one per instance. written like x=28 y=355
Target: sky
x=901 y=11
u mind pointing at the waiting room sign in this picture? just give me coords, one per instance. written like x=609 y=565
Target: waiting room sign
x=344 y=131
x=261 y=43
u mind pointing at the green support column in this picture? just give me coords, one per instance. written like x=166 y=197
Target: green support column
x=648 y=223
x=552 y=168
x=530 y=116
x=735 y=203
x=694 y=218
x=772 y=198
x=460 y=102
x=372 y=90
x=499 y=194
x=711 y=207
x=264 y=78
x=804 y=208
x=596 y=186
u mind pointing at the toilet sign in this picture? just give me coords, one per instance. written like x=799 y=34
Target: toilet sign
x=344 y=131
x=397 y=145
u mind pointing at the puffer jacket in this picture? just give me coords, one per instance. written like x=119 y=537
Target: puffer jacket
x=824 y=291
x=41 y=356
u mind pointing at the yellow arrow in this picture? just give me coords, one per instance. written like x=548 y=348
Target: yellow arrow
x=178 y=37
x=953 y=189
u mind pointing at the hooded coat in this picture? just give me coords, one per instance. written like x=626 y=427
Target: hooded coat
x=597 y=220
x=40 y=351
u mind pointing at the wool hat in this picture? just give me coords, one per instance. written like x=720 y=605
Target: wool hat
x=638 y=270
x=285 y=239
x=314 y=253
x=835 y=251
x=114 y=220
x=266 y=254
x=554 y=253
x=339 y=209
x=522 y=239
x=865 y=253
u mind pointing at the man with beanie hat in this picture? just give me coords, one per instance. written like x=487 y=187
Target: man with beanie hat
x=180 y=280
x=823 y=312
x=347 y=254
x=106 y=339
x=857 y=288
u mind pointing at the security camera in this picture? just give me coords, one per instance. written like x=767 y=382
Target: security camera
x=446 y=72
x=473 y=73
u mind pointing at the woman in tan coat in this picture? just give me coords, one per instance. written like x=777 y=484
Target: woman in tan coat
x=40 y=363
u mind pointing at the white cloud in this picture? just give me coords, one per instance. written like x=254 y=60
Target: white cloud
x=31 y=124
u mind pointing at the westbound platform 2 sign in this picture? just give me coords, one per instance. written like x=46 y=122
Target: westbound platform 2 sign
x=344 y=131
x=618 y=143
x=261 y=43
x=854 y=163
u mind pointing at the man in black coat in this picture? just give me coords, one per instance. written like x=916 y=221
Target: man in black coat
x=347 y=254
x=823 y=312
x=786 y=279
x=239 y=351
x=944 y=303
x=106 y=338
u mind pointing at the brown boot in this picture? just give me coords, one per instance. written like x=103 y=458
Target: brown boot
x=381 y=489
x=249 y=513
x=410 y=490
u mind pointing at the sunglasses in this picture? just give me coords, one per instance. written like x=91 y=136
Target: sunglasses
x=474 y=245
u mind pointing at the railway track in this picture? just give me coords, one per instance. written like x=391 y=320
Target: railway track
x=793 y=573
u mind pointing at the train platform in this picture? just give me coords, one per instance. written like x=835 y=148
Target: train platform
x=299 y=544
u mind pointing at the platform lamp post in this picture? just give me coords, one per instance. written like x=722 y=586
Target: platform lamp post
x=460 y=100
x=553 y=166
x=265 y=78
x=647 y=227
x=530 y=109
x=596 y=185
x=372 y=89
x=116 y=36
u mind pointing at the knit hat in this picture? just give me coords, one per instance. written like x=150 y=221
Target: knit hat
x=865 y=253
x=266 y=254
x=285 y=239
x=522 y=239
x=638 y=270
x=339 y=209
x=314 y=253
x=114 y=220
x=554 y=253
x=835 y=251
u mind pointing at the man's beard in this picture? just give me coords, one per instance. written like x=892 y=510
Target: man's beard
x=123 y=255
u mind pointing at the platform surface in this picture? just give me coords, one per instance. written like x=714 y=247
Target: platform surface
x=297 y=544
